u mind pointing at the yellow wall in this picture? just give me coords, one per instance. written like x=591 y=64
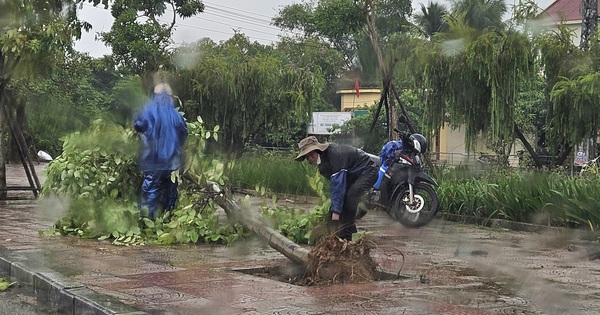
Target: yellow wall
x=350 y=101
x=453 y=150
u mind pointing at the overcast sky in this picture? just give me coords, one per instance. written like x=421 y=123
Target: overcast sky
x=217 y=22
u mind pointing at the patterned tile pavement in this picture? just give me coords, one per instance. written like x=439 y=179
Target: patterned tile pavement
x=447 y=268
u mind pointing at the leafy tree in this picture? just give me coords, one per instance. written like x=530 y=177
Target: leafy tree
x=252 y=91
x=342 y=22
x=392 y=16
x=317 y=56
x=96 y=173
x=139 y=37
x=34 y=34
x=358 y=30
x=487 y=81
x=332 y=20
x=80 y=90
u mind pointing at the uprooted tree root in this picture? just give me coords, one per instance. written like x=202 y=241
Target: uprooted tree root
x=333 y=260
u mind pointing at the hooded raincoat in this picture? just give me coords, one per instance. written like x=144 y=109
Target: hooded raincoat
x=163 y=132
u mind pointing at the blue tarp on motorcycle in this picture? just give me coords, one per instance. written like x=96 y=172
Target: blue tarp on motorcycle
x=388 y=150
x=385 y=157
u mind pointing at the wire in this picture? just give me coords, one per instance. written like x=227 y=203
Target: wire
x=240 y=27
x=178 y=24
x=252 y=22
x=224 y=6
x=216 y=31
x=238 y=14
x=207 y=29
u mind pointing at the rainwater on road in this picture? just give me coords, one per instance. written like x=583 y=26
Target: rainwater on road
x=447 y=268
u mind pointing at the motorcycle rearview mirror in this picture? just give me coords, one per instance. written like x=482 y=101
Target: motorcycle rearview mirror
x=402 y=119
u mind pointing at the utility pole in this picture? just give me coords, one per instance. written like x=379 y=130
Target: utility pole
x=589 y=12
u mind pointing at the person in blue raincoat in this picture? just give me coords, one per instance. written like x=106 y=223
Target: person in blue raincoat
x=351 y=173
x=163 y=132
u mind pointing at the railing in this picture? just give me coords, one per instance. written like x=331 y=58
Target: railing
x=478 y=160
x=472 y=159
x=482 y=160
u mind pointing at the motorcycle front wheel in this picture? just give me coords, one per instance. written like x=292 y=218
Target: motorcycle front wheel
x=421 y=211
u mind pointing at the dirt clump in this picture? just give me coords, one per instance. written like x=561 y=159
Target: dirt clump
x=333 y=260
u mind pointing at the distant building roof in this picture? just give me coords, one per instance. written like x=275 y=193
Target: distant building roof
x=570 y=10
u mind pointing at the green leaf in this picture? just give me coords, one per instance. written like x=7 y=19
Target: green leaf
x=149 y=223
x=5 y=284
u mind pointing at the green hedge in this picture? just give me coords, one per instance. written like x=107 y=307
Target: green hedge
x=548 y=198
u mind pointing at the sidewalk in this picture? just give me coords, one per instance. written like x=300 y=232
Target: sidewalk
x=447 y=268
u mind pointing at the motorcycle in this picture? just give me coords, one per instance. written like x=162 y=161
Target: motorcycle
x=404 y=190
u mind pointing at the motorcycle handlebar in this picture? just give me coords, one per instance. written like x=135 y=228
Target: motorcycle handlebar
x=403 y=134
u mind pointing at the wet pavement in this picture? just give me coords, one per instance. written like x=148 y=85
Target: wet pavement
x=446 y=268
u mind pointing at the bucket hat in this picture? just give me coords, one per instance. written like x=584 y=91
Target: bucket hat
x=308 y=145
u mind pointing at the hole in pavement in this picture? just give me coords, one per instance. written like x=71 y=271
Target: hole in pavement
x=293 y=273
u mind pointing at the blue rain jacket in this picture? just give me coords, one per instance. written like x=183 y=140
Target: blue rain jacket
x=163 y=132
x=342 y=165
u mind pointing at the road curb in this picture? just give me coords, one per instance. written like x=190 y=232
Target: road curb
x=68 y=296
x=499 y=223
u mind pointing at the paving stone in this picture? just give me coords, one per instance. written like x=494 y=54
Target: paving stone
x=447 y=268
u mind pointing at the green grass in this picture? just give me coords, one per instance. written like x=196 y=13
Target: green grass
x=278 y=173
x=548 y=198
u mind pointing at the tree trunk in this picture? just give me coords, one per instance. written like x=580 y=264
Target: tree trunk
x=564 y=154
x=236 y=213
x=386 y=73
x=282 y=244
x=3 y=145
x=532 y=153
x=528 y=146
x=392 y=119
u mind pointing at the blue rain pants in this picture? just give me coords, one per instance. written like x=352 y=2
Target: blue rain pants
x=158 y=191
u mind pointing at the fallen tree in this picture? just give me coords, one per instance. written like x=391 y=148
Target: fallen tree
x=331 y=260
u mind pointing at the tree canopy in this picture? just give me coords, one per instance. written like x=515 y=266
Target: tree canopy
x=248 y=89
x=467 y=65
x=34 y=35
x=141 y=35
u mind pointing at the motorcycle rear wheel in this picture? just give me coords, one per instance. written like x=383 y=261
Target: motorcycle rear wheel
x=421 y=212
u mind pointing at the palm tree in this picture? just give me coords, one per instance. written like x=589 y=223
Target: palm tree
x=480 y=14
x=432 y=19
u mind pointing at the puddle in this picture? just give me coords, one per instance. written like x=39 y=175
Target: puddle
x=292 y=273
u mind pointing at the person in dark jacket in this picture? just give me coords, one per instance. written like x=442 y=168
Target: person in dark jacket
x=163 y=132
x=351 y=173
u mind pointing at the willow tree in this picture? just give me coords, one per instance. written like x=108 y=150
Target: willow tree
x=572 y=82
x=474 y=82
x=251 y=91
